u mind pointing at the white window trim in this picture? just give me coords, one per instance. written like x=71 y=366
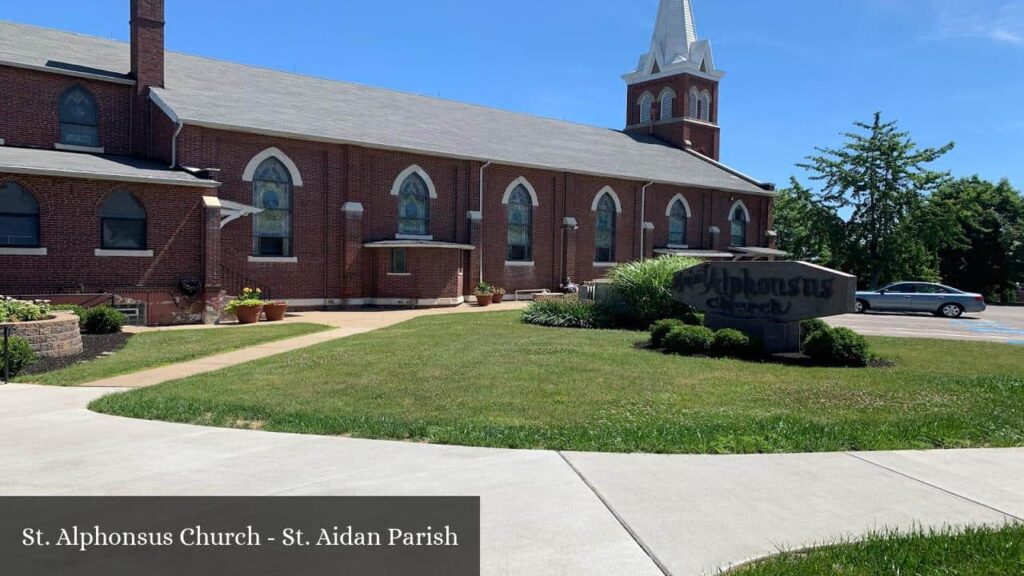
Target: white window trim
x=526 y=184
x=396 y=188
x=15 y=251
x=672 y=202
x=520 y=263
x=615 y=198
x=250 y=168
x=678 y=246
x=670 y=94
x=73 y=148
x=605 y=264
x=274 y=259
x=646 y=103
x=413 y=237
x=399 y=273
x=123 y=253
x=739 y=203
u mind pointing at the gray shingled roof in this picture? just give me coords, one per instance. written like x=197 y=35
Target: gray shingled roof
x=213 y=93
x=75 y=165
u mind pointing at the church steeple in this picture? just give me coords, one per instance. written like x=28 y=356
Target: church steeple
x=673 y=92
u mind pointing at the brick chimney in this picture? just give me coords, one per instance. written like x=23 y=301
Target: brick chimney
x=147 y=25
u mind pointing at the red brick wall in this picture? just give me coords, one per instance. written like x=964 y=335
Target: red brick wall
x=432 y=274
x=704 y=138
x=29 y=109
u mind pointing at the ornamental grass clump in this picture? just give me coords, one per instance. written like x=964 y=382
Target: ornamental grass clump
x=567 y=312
x=14 y=310
x=645 y=288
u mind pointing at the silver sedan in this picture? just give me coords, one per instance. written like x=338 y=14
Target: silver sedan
x=921 y=297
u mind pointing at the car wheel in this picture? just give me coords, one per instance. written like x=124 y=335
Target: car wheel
x=951 y=311
x=861 y=307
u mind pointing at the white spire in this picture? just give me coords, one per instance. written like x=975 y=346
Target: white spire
x=675 y=30
x=675 y=47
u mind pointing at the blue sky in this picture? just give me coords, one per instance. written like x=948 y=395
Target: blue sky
x=799 y=71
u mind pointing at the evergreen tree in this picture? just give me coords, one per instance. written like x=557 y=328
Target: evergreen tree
x=883 y=177
x=808 y=230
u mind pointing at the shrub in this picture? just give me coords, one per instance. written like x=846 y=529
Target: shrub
x=808 y=327
x=12 y=310
x=837 y=347
x=730 y=343
x=689 y=340
x=645 y=288
x=660 y=329
x=21 y=355
x=693 y=318
x=103 y=320
x=568 y=312
x=73 y=308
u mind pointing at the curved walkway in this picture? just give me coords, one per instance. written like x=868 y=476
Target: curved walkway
x=544 y=513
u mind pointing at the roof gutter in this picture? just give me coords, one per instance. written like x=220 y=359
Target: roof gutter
x=174 y=144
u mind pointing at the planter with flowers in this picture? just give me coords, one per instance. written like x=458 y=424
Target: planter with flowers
x=484 y=294
x=275 y=310
x=498 y=295
x=247 y=307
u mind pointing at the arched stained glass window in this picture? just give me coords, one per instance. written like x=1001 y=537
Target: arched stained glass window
x=739 y=227
x=123 y=223
x=677 y=224
x=520 y=225
x=606 y=215
x=79 y=118
x=272 y=192
x=414 y=207
x=19 y=217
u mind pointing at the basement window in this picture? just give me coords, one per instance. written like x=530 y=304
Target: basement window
x=398 y=263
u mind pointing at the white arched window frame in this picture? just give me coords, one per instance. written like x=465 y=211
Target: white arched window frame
x=693 y=104
x=254 y=164
x=646 y=103
x=606 y=207
x=705 y=106
x=520 y=199
x=678 y=213
x=739 y=218
x=414 y=189
x=666 y=99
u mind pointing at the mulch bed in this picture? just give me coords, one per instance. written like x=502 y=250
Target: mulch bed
x=93 y=345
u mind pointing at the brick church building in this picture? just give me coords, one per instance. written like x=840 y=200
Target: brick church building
x=161 y=181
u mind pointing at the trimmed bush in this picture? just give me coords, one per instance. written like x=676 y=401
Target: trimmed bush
x=837 y=347
x=568 y=312
x=660 y=329
x=645 y=288
x=103 y=320
x=730 y=343
x=808 y=327
x=693 y=318
x=689 y=340
x=21 y=355
x=73 y=308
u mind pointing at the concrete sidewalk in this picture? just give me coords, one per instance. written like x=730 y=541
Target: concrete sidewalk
x=543 y=513
x=346 y=324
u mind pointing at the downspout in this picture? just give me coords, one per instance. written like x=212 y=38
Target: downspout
x=174 y=144
x=481 y=207
x=643 y=216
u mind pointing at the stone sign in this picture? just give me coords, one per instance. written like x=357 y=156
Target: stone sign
x=766 y=299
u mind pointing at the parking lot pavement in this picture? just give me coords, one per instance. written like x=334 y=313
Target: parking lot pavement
x=997 y=324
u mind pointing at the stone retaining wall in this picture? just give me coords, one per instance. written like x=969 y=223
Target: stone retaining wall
x=57 y=337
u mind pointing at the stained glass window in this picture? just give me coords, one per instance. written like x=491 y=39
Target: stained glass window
x=520 y=225
x=123 y=223
x=677 y=224
x=19 y=217
x=739 y=227
x=414 y=207
x=606 y=229
x=79 y=119
x=272 y=191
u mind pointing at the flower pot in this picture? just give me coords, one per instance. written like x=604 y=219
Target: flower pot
x=275 y=312
x=484 y=299
x=497 y=297
x=248 y=314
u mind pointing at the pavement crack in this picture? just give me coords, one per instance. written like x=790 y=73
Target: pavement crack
x=618 y=517
x=936 y=487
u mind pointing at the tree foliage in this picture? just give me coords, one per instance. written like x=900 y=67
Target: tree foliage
x=808 y=229
x=883 y=178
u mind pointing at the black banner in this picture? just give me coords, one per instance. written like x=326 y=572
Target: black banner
x=252 y=536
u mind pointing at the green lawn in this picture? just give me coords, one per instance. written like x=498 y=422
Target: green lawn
x=153 y=349
x=490 y=380
x=974 y=552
